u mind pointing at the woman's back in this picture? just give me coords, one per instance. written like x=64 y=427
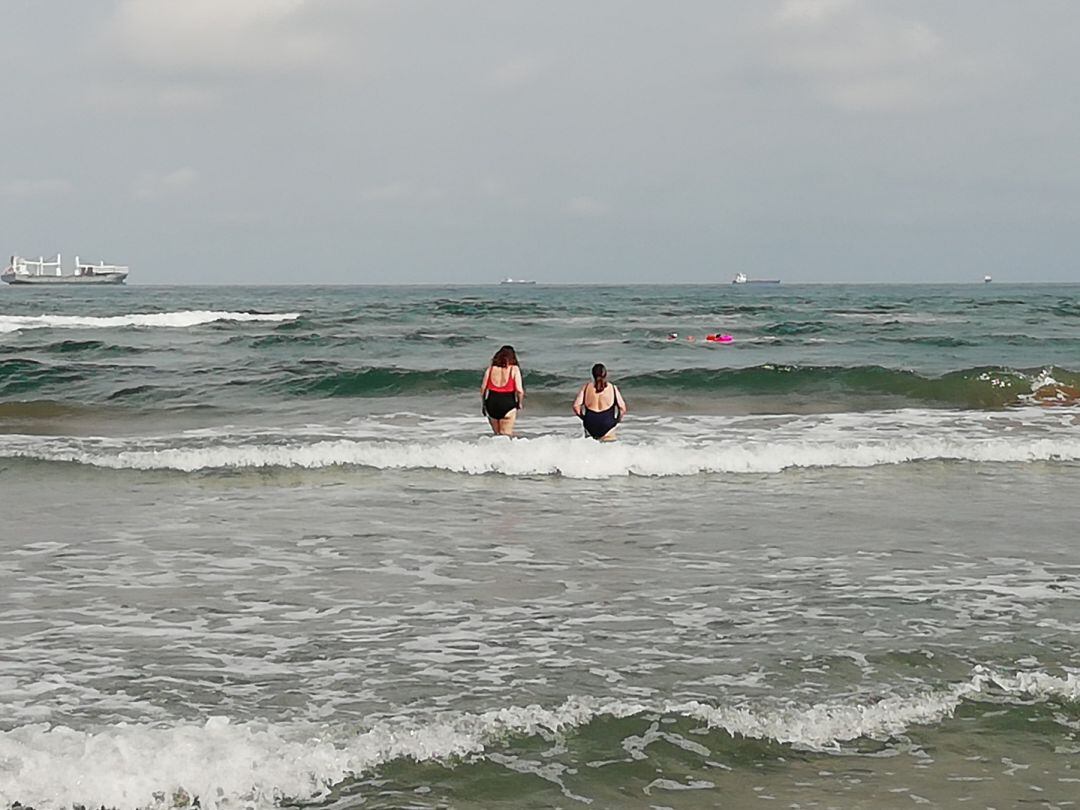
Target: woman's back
x=599 y=401
x=502 y=391
x=599 y=405
x=500 y=376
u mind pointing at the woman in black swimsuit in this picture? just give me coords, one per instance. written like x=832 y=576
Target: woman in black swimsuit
x=502 y=391
x=600 y=406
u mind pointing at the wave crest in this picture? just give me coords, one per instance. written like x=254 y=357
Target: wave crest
x=178 y=319
x=548 y=455
x=220 y=762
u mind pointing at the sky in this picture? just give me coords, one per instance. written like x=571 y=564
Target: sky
x=605 y=141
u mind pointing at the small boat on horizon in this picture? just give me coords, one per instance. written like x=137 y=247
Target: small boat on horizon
x=40 y=271
x=741 y=278
x=517 y=281
x=987 y=279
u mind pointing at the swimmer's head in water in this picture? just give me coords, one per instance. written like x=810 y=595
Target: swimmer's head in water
x=599 y=375
x=505 y=357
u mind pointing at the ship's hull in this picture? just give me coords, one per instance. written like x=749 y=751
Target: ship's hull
x=111 y=278
x=742 y=278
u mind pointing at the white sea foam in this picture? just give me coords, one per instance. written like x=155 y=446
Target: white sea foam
x=179 y=319
x=824 y=726
x=1036 y=683
x=900 y=317
x=655 y=446
x=549 y=455
x=227 y=764
x=1042 y=379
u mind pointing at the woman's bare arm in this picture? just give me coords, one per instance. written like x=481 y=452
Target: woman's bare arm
x=520 y=387
x=579 y=401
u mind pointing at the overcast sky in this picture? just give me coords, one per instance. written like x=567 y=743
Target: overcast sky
x=377 y=141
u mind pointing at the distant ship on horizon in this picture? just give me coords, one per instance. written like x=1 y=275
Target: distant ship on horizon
x=517 y=281
x=39 y=271
x=741 y=278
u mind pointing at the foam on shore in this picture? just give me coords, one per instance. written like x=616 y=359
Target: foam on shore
x=223 y=764
x=549 y=455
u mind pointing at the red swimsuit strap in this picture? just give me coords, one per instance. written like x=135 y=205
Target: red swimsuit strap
x=509 y=387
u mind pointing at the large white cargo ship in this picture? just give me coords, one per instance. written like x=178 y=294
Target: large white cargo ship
x=42 y=271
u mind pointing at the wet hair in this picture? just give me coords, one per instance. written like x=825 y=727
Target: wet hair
x=504 y=357
x=599 y=375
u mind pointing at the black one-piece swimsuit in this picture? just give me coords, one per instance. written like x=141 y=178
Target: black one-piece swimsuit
x=498 y=404
x=598 y=424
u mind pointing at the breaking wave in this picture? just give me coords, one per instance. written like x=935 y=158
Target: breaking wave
x=217 y=763
x=543 y=456
x=856 y=388
x=179 y=319
x=980 y=387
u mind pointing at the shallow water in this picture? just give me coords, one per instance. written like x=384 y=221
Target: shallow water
x=241 y=590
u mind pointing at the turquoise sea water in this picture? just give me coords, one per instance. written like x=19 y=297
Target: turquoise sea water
x=258 y=549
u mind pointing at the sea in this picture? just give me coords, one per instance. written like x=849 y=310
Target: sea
x=259 y=549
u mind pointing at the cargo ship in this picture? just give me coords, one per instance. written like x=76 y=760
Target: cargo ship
x=740 y=278
x=40 y=271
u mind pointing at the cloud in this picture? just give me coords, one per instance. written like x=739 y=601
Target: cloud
x=231 y=36
x=518 y=72
x=401 y=192
x=173 y=97
x=29 y=189
x=587 y=208
x=493 y=188
x=812 y=12
x=854 y=57
x=150 y=185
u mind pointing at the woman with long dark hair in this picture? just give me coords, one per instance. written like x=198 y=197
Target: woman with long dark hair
x=600 y=406
x=502 y=393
